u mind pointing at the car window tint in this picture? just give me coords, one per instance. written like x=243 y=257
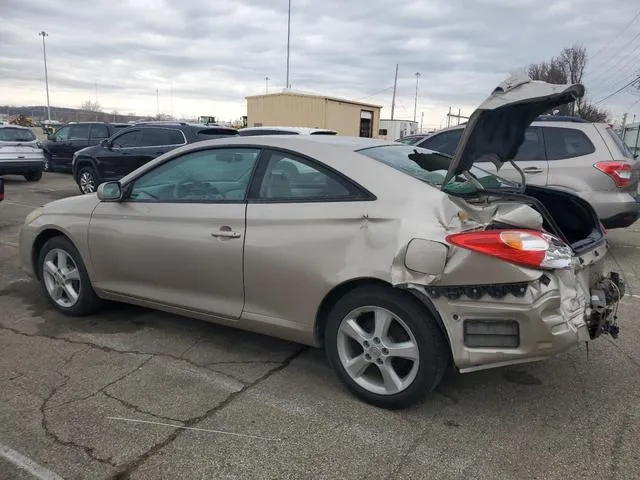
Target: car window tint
x=409 y=140
x=99 y=131
x=79 y=132
x=531 y=148
x=128 y=139
x=62 y=134
x=16 y=135
x=566 y=143
x=207 y=176
x=288 y=177
x=154 y=137
x=445 y=142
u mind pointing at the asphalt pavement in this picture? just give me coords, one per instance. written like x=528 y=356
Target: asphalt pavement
x=136 y=393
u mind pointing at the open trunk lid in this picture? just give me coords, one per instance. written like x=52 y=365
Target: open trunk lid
x=497 y=127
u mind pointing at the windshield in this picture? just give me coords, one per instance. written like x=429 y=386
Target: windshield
x=16 y=135
x=431 y=167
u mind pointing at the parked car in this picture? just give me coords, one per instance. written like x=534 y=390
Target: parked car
x=20 y=153
x=60 y=146
x=251 y=131
x=397 y=259
x=131 y=148
x=573 y=155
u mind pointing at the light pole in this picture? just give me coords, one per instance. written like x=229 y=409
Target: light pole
x=46 y=76
x=415 y=105
x=288 y=42
x=266 y=84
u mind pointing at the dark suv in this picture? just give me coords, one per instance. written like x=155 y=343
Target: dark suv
x=67 y=140
x=129 y=149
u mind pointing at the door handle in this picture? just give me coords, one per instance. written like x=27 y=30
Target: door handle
x=533 y=170
x=225 y=232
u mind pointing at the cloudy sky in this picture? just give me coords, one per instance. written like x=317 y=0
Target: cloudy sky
x=204 y=57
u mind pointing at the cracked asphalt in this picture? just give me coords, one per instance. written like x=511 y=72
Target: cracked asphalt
x=257 y=407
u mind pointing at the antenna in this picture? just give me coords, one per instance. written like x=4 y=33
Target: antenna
x=395 y=84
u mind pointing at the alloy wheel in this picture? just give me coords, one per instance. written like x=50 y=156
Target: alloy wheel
x=61 y=278
x=378 y=350
x=87 y=182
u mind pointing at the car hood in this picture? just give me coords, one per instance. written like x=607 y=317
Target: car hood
x=496 y=129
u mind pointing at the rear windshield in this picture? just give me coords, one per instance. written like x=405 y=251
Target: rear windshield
x=16 y=135
x=434 y=167
x=624 y=149
x=409 y=140
x=209 y=133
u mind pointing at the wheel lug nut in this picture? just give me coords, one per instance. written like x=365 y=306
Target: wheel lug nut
x=379 y=361
x=376 y=340
x=365 y=343
x=367 y=356
x=385 y=351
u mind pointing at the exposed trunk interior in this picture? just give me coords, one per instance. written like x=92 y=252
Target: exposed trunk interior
x=575 y=217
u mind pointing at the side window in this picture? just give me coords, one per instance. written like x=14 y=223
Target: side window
x=62 y=134
x=99 y=132
x=566 y=143
x=128 y=139
x=531 y=149
x=215 y=175
x=155 y=137
x=290 y=178
x=79 y=132
x=445 y=142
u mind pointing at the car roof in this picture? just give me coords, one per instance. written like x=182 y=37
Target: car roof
x=299 y=130
x=14 y=126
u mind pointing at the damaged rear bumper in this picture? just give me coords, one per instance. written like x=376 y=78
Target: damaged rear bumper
x=504 y=324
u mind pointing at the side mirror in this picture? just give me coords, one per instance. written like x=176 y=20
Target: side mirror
x=110 y=192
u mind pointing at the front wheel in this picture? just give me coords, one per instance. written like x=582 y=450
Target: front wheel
x=64 y=278
x=385 y=346
x=87 y=180
x=33 y=176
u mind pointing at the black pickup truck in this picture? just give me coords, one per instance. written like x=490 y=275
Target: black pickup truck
x=67 y=140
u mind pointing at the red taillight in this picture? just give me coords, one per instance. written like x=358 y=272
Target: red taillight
x=604 y=230
x=620 y=172
x=529 y=248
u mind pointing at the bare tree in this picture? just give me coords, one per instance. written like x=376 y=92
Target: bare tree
x=569 y=67
x=90 y=106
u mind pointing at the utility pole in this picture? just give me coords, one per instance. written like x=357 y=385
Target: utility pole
x=46 y=76
x=421 y=121
x=453 y=115
x=157 y=103
x=624 y=125
x=458 y=116
x=415 y=104
x=288 y=43
x=637 y=136
x=449 y=118
x=266 y=84
x=393 y=101
x=96 y=101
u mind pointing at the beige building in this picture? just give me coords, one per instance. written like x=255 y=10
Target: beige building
x=293 y=109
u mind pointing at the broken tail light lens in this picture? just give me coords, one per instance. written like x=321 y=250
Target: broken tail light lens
x=529 y=248
x=620 y=172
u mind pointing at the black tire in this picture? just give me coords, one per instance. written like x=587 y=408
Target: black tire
x=88 y=302
x=83 y=173
x=33 y=176
x=434 y=352
x=48 y=164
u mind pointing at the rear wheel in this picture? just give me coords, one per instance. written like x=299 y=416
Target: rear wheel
x=87 y=180
x=64 y=278
x=385 y=346
x=33 y=176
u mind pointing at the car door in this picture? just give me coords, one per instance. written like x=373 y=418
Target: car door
x=530 y=158
x=178 y=238
x=304 y=221
x=118 y=157
x=156 y=141
x=58 y=144
x=78 y=139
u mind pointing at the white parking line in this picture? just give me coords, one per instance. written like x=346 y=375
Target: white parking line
x=27 y=464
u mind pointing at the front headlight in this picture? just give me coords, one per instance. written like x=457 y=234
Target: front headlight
x=34 y=215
